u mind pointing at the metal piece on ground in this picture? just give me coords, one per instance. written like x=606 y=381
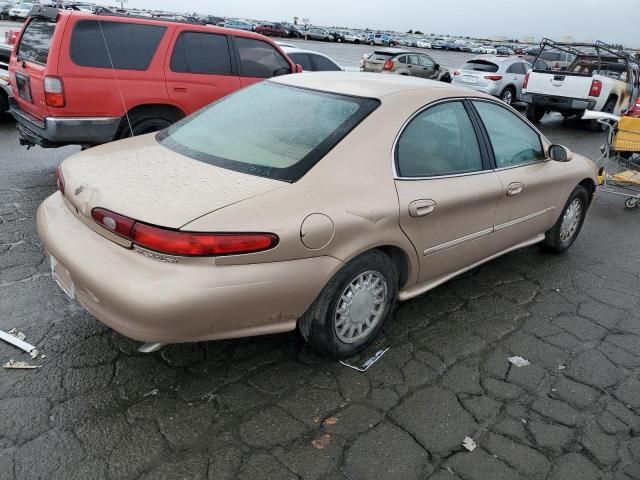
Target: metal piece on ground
x=151 y=347
x=370 y=361
x=16 y=342
x=16 y=365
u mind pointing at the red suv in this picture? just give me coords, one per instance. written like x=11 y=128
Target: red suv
x=269 y=29
x=83 y=78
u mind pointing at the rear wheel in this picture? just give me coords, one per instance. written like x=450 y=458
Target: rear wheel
x=562 y=235
x=372 y=43
x=351 y=310
x=534 y=113
x=142 y=125
x=508 y=95
x=609 y=107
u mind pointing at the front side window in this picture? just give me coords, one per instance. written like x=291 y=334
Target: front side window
x=413 y=60
x=426 y=61
x=514 y=142
x=439 y=141
x=35 y=41
x=323 y=64
x=206 y=53
x=125 y=46
x=260 y=59
x=270 y=130
x=303 y=60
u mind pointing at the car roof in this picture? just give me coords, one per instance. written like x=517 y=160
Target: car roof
x=499 y=60
x=393 y=51
x=289 y=50
x=370 y=85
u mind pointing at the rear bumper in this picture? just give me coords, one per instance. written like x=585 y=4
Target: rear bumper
x=491 y=89
x=558 y=103
x=58 y=131
x=151 y=300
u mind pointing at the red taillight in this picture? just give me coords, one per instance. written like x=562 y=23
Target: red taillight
x=596 y=88
x=173 y=242
x=54 y=92
x=525 y=83
x=388 y=65
x=114 y=222
x=493 y=78
x=60 y=180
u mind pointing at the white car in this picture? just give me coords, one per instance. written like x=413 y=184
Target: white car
x=354 y=37
x=423 y=44
x=20 y=11
x=487 y=50
x=311 y=61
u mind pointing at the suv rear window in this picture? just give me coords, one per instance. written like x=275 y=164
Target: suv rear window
x=480 y=66
x=130 y=46
x=269 y=130
x=35 y=42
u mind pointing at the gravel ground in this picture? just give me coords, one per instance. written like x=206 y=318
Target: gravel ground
x=269 y=408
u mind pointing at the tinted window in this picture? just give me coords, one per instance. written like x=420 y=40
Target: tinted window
x=303 y=60
x=129 y=46
x=513 y=141
x=35 y=42
x=480 y=66
x=439 y=141
x=517 y=68
x=323 y=64
x=196 y=52
x=403 y=59
x=268 y=129
x=259 y=59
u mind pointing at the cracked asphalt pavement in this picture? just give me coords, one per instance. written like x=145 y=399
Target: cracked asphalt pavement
x=269 y=408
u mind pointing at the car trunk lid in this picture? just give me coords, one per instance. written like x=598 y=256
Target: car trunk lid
x=28 y=65
x=142 y=180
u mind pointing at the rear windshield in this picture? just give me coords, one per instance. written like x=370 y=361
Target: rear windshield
x=269 y=130
x=480 y=66
x=35 y=42
x=125 y=46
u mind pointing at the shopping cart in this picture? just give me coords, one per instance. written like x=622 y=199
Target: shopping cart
x=619 y=165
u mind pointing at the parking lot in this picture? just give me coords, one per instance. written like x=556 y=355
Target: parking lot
x=269 y=408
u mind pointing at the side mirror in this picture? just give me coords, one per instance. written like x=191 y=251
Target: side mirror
x=560 y=153
x=298 y=68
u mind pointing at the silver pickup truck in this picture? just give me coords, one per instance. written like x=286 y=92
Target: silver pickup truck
x=600 y=78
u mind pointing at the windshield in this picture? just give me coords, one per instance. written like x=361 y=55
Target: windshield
x=270 y=130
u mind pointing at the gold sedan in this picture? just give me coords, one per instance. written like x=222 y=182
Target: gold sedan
x=313 y=201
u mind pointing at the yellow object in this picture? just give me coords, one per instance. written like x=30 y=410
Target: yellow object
x=627 y=138
x=630 y=177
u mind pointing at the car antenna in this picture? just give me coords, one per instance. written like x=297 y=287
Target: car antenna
x=115 y=76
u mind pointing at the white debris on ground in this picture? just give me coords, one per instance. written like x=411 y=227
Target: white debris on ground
x=469 y=444
x=17 y=333
x=17 y=365
x=519 y=361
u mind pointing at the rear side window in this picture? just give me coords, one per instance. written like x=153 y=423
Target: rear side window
x=35 y=42
x=480 y=66
x=260 y=59
x=303 y=60
x=323 y=64
x=196 y=52
x=129 y=46
x=517 y=68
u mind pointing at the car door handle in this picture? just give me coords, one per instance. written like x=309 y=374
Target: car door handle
x=420 y=208
x=179 y=89
x=514 y=189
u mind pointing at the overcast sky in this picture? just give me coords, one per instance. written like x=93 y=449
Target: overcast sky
x=613 y=21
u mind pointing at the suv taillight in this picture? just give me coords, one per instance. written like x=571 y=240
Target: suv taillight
x=54 y=92
x=493 y=78
x=388 y=65
x=175 y=242
x=596 y=88
x=525 y=83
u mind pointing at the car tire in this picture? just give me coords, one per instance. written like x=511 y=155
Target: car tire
x=535 y=114
x=371 y=282
x=357 y=42
x=446 y=78
x=142 y=125
x=508 y=95
x=372 y=43
x=562 y=235
x=595 y=125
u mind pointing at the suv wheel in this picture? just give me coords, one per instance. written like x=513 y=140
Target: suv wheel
x=535 y=114
x=142 y=125
x=508 y=95
x=609 y=107
x=566 y=230
x=351 y=310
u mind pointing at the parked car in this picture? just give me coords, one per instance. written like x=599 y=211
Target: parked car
x=5 y=7
x=380 y=39
x=601 y=78
x=353 y=37
x=20 y=11
x=5 y=89
x=212 y=20
x=239 y=25
x=438 y=45
x=311 y=61
x=318 y=34
x=557 y=60
x=498 y=76
x=423 y=44
x=115 y=75
x=274 y=234
x=270 y=30
x=504 y=51
x=337 y=35
x=405 y=62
